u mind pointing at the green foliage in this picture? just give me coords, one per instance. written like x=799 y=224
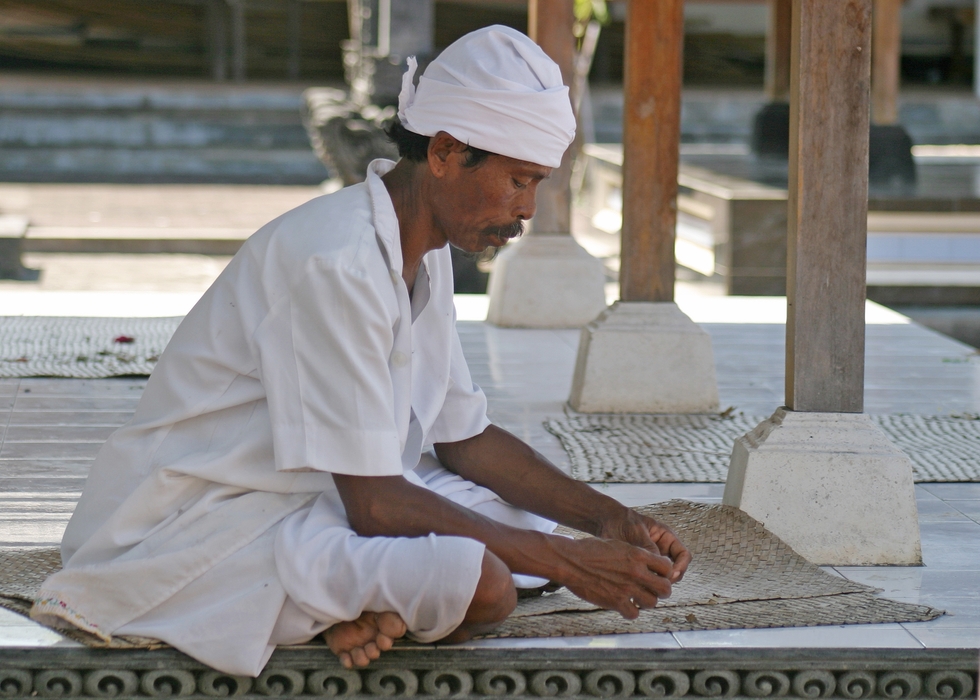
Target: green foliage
x=586 y=10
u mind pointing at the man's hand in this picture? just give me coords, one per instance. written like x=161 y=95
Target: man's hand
x=645 y=532
x=613 y=574
x=522 y=477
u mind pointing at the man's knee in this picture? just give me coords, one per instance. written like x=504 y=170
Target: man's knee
x=495 y=597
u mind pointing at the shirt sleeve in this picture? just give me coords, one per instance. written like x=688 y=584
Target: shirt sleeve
x=464 y=413
x=323 y=356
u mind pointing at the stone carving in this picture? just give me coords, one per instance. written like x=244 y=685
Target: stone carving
x=168 y=683
x=716 y=683
x=110 y=684
x=555 y=684
x=281 y=682
x=216 y=684
x=663 y=684
x=766 y=684
x=501 y=682
x=58 y=683
x=615 y=681
x=334 y=683
x=814 y=684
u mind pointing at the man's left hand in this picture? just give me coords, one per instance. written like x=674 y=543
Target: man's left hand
x=645 y=532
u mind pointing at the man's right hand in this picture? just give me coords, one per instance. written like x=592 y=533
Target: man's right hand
x=613 y=574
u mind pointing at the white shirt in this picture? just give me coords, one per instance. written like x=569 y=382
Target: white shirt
x=305 y=358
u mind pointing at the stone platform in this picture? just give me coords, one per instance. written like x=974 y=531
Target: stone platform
x=51 y=429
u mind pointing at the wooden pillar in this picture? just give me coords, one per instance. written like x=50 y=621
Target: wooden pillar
x=550 y=24
x=886 y=60
x=651 y=147
x=294 y=25
x=217 y=38
x=779 y=39
x=976 y=51
x=547 y=280
x=828 y=205
x=238 y=40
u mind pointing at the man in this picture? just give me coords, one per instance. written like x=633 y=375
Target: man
x=310 y=454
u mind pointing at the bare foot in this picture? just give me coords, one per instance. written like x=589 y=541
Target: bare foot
x=360 y=641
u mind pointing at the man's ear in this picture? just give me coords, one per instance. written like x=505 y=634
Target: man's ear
x=443 y=150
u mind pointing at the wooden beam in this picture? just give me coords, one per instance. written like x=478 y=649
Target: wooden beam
x=779 y=39
x=550 y=24
x=886 y=59
x=828 y=205
x=651 y=147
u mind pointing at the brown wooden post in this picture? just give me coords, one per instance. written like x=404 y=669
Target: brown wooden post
x=294 y=26
x=651 y=147
x=828 y=205
x=886 y=60
x=550 y=24
x=239 y=45
x=779 y=39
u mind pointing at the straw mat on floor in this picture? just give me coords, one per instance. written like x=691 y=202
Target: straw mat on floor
x=79 y=347
x=697 y=448
x=742 y=577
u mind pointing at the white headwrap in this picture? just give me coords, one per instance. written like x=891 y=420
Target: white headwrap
x=493 y=89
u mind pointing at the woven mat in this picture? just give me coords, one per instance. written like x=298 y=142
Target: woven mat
x=743 y=576
x=87 y=348
x=697 y=448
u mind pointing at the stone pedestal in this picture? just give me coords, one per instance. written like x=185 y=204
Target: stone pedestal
x=545 y=281
x=644 y=357
x=831 y=485
x=12 y=231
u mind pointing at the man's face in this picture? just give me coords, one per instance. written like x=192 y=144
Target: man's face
x=486 y=204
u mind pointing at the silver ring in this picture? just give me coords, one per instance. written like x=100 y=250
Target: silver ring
x=634 y=603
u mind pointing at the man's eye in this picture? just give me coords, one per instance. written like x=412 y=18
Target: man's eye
x=519 y=185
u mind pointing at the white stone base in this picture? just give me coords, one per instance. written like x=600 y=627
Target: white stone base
x=545 y=281
x=644 y=357
x=831 y=485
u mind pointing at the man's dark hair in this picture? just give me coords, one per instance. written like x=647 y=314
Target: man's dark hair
x=415 y=147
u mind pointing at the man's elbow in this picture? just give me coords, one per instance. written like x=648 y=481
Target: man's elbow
x=367 y=517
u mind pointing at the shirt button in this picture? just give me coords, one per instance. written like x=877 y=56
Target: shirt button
x=399 y=359
x=395 y=277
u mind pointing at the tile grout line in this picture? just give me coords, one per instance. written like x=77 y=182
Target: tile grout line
x=10 y=415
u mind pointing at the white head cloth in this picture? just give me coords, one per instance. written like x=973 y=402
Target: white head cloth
x=496 y=90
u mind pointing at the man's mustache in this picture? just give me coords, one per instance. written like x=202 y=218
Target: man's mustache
x=509 y=231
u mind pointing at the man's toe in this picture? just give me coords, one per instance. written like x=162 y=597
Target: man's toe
x=391 y=625
x=359 y=657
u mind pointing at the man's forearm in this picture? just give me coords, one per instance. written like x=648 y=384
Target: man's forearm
x=521 y=476
x=393 y=507
x=609 y=573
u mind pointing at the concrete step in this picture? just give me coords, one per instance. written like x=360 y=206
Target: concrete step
x=95 y=132
x=293 y=166
x=200 y=241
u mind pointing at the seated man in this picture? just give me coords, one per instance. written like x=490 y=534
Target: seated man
x=278 y=479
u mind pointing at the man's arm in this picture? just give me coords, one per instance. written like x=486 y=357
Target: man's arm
x=609 y=573
x=523 y=477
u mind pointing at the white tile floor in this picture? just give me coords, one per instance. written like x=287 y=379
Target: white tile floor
x=527 y=375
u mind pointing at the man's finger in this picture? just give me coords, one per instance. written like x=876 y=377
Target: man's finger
x=628 y=609
x=644 y=600
x=658 y=564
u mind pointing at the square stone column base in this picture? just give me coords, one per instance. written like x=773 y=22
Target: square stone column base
x=644 y=357
x=545 y=281
x=831 y=485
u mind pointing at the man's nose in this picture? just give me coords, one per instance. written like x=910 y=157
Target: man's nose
x=527 y=204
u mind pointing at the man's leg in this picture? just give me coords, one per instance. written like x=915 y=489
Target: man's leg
x=367 y=591
x=360 y=641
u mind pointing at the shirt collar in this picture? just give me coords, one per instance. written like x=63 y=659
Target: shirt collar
x=385 y=219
